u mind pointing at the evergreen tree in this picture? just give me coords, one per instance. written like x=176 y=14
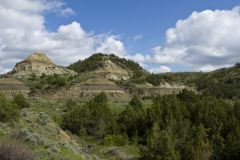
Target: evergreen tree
x=8 y=110
x=198 y=147
x=21 y=101
x=160 y=145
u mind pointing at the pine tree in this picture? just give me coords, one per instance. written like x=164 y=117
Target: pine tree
x=160 y=145
x=199 y=147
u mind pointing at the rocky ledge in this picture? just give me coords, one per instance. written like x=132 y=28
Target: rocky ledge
x=38 y=64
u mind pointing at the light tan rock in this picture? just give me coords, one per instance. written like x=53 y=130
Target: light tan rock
x=113 y=71
x=38 y=64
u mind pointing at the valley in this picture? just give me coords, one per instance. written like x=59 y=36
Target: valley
x=106 y=107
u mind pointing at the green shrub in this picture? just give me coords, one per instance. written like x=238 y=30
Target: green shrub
x=154 y=79
x=8 y=110
x=94 y=117
x=21 y=101
x=115 y=140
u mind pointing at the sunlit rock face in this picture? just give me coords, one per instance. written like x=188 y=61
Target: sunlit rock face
x=38 y=64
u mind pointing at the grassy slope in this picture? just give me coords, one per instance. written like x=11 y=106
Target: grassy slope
x=42 y=135
x=56 y=108
x=223 y=82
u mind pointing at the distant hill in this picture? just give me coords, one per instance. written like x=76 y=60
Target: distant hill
x=112 y=66
x=38 y=64
x=224 y=82
x=119 y=78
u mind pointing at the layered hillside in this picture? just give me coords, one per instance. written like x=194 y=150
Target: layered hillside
x=109 y=66
x=223 y=82
x=11 y=87
x=85 y=87
x=38 y=64
x=119 y=78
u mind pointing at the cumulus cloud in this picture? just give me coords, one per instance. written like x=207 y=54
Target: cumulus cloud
x=139 y=57
x=204 y=41
x=110 y=44
x=24 y=32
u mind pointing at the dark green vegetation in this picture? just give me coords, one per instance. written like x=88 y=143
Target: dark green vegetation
x=223 y=83
x=93 y=118
x=46 y=82
x=9 y=109
x=139 y=75
x=201 y=125
x=97 y=60
x=21 y=101
x=187 y=78
x=186 y=126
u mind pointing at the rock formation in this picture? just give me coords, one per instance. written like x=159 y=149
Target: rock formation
x=38 y=63
x=112 y=71
x=11 y=87
x=86 y=90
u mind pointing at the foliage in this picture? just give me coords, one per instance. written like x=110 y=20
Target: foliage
x=187 y=126
x=94 y=118
x=154 y=79
x=46 y=82
x=115 y=140
x=89 y=64
x=222 y=83
x=21 y=101
x=131 y=120
x=160 y=145
x=8 y=110
x=97 y=60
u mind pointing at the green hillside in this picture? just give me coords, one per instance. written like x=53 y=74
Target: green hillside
x=97 y=60
x=223 y=82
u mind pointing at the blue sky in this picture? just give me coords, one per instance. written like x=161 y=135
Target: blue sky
x=128 y=18
x=161 y=35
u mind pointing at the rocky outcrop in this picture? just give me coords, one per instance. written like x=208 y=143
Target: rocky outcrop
x=112 y=71
x=86 y=90
x=11 y=87
x=162 y=89
x=38 y=63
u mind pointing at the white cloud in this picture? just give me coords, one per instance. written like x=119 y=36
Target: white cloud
x=161 y=69
x=66 y=12
x=204 y=41
x=138 y=57
x=209 y=67
x=207 y=38
x=110 y=44
x=24 y=32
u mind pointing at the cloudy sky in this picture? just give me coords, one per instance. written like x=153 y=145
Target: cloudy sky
x=163 y=36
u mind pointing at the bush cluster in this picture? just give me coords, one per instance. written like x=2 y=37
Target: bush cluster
x=45 y=82
x=115 y=140
x=186 y=126
x=94 y=118
x=9 y=109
